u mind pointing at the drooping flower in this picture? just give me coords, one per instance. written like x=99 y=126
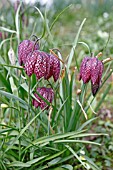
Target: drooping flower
x=24 y=49
x=54 y=68
x=92 y=69
x=96 y=74
x=85 y=70
x=42 y=64
x=46 y=93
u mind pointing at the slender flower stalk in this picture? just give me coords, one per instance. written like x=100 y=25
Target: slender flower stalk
x=29 y=84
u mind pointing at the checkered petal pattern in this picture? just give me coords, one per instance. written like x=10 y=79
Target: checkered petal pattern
x=91 y=69
x=42 y=64
x=46 y=93
x=24 y=48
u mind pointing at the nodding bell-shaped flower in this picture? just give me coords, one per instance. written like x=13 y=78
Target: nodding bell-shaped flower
x=91 y=69
x=46 y=93
x=24 y=48
x=96 y=74
x=43 y=65
x=85 y=70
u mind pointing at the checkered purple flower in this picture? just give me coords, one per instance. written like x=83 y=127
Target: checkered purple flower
x=96 y=74
x=91 y=69
x=42 y=64
x=46 y=93
x=24 y=48
x=85 y=70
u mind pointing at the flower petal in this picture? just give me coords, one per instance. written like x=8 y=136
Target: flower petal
x=30 y=63
x=39 y=70
x=24 y=48
x=56 y=68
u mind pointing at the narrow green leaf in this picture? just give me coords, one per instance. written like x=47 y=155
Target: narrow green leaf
x=43 y=20
x=5 y=130
x=74 y=46
x=19 y=164
x=12 y=96
x=87 y=134
x=60 y=109
x=23 y=130
x=17 y=22
x=8 y=39
x=57 y=17
x=67 y=166
x=7 y=30
x=54 y=161
x=77 y=141
x=12 y=66
x=91 y=162
x=87 y=123
x=36 y=160
x=76 y=156
x=53 y=138
x=86 y=45
x=106 y=91
x=5 y=82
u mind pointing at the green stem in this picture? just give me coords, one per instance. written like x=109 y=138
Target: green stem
x=20 y=137
x=29 y=84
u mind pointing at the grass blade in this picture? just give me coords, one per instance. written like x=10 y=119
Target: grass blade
x=74 y=46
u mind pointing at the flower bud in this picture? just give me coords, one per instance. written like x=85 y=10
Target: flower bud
x=3 y=105
x=11 y=55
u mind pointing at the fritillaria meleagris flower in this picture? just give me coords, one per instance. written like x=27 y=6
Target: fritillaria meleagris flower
x=96 y=74
x=46 y=93
x=43 y=65
x=24 y=48
x=85 y=70
x=91 y=69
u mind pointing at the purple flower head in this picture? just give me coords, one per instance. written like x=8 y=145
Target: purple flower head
x=24 y=48
x=54 y=69
x=46 y=93
x=85 y=70
x=96 y=74
x=91 y=69
x=43 y=65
